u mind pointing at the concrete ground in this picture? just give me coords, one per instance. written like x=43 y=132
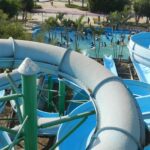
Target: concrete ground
x=59 y=7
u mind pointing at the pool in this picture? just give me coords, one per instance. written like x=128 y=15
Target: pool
x=110 y=43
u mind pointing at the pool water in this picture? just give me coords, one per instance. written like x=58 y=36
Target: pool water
x=110 y=43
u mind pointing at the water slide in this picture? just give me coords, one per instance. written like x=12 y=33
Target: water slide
x=43 y=116
x=86 y=129
x=139 y=48
x=110 y=64
x=117 y=125
x=139 y=90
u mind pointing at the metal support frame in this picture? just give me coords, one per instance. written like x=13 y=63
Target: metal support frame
x=61 y=104
x=66 y=119
x=28 y=70
x=15 y=90
x=50 y=93
x=29 y=128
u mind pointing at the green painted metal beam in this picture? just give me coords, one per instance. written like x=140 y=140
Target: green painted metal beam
x=15 y=90
x=10 y=97
x=15 y=143
x=8 y=130
x=77 y=101
x=61 y=104
x=66 y=119
x=50 y=94
x=29 y=109
x=28 y=70
x=18 y=133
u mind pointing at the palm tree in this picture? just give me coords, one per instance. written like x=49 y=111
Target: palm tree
x=94 y=39
x=67 y=24
x=79 y=27
x=82 y=3
x=69 y=2
x=119 y=18
x=60 y=18
x=49 y=25
x=97 y=32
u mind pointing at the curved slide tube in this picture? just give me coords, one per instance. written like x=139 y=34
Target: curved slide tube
x=141 y=91
x=118 y=126
x=110 y=64
x=139 y=48
x=143 y=72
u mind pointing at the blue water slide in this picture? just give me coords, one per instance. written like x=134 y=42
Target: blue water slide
x=78 y=95
x=141 y=91
x=80 y=138
x=137 y=88
x=110 y=64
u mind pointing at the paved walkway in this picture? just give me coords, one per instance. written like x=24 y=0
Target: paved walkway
x=59 y=7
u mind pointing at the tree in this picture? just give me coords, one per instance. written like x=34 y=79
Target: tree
x=79 y=26
x=96 y=33
x=12 y=29
x=138 y=10
x=26 y=6
x=10 y=7
x=118 y=18
x=141 y=8
x=49 y=25
x=82 y=3
x=67 y=23
x=107 y=6
x=60 y=16
x=69 y=2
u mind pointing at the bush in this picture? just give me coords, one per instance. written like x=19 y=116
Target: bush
x=37 y=6
x=107 y=6
x=77 y=7
x=10 y=7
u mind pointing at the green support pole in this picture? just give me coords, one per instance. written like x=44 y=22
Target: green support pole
x=50 y=93
x=61 y=104
x=28 y=70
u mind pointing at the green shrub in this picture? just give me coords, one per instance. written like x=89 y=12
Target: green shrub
x=77 y=7
x=36 y=6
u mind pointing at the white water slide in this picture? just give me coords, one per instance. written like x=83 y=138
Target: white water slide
x=139 y=48
x=118 y=126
